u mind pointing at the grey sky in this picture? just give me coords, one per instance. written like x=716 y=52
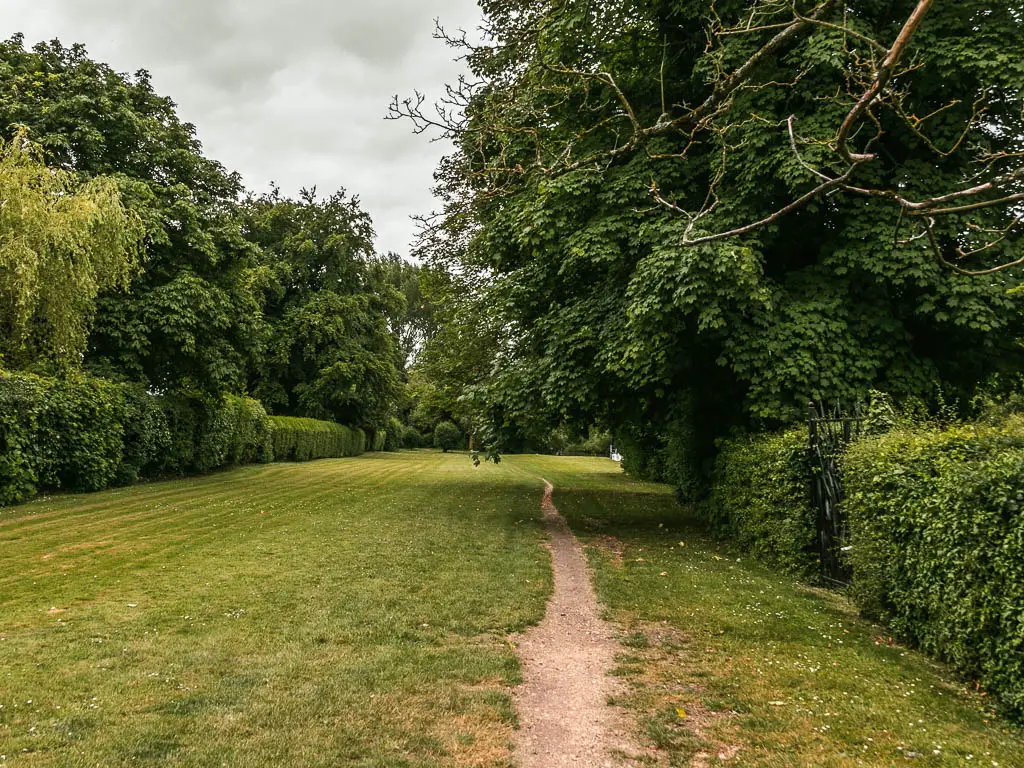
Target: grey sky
x=286 y=90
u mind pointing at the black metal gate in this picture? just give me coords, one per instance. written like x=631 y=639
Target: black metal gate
x=830 y=432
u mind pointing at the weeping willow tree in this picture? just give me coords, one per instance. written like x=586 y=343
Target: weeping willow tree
x=62 y=242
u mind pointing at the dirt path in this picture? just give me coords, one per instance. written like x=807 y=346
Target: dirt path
x=563 y=701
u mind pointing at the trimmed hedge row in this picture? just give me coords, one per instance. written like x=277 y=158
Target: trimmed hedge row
x=936 y=526
x=761 y=499
x=81 y=433
x=937 y=535
x=298 y=439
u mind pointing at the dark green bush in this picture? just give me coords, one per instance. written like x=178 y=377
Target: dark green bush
x=297 y=439
x=21 y=403
x=183 y=416
x=671 y=454
x=236 y=431
x=413 y=438
x=355 y=443
x=937 y=533
x=447 y=436
x=147 y=436
x=643 y=453
x=82 y=433
x=58 y=433
x=761 y=499
x=395 y=436
x=379 y=440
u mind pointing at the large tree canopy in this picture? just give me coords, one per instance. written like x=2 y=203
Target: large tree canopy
x=61 y=243
x=718 y=211
x=329 y=351
x=190 y=319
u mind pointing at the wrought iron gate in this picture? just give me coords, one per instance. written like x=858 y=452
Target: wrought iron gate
x=830 y=431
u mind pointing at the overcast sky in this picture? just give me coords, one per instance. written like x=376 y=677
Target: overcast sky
x=291 y=91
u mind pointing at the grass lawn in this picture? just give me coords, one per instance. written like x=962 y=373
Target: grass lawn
x=354 y=612
x=349 y=612
x=751 y=660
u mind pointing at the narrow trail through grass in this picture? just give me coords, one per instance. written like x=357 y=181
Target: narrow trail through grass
x=565 y=720
x=728 y=663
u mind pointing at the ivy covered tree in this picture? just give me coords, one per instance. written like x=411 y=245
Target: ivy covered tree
x=190 y=319
x=62 y=242
x=689 y=216
x=329 y=351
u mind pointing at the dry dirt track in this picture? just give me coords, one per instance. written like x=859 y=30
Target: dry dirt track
x=563 y=701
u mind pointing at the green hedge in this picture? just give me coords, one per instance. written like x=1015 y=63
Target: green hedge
x=761 y=499
x=81 y=433
x=937 y=534
x=65 y=433
x=298 y=439
x=413 y=438
x=380 y=439
x=238 y=432
x=395 y=440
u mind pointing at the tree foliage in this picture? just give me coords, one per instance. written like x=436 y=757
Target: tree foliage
x=611 y=159
x=190 y=319
x=62 y=242
x=329 y=351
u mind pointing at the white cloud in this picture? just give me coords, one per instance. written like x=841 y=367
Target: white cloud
x=292 y=92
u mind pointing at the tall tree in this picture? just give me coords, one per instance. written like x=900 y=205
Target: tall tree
x=415 y=322
x=190 y=319
x=62 y=242
x=329 y=350
x=711 y=213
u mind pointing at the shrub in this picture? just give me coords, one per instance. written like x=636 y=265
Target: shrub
x=447 y=436
x=147 y=435
x=58 y=433
x=234 y=431
x=21 y=402
x=380 y=438
x=395 y=436
x=81 y=433
x=298 y=439
x=413 y=438
x=761 y=498
x=355 y=442
x=937 y=544
x=642 y=453
x=183 y=420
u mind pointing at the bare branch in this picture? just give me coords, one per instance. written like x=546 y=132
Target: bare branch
x=882 y=77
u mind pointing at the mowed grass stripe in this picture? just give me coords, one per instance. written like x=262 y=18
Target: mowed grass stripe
x=191 y=513
x=359 y=620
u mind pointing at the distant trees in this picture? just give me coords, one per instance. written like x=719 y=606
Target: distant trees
x=62 y=242
x=328 y=349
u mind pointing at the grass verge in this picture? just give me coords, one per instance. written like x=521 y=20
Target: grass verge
x=730 y=663
x=343 y=612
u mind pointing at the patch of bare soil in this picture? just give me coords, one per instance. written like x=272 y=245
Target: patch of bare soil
x=565 y=718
